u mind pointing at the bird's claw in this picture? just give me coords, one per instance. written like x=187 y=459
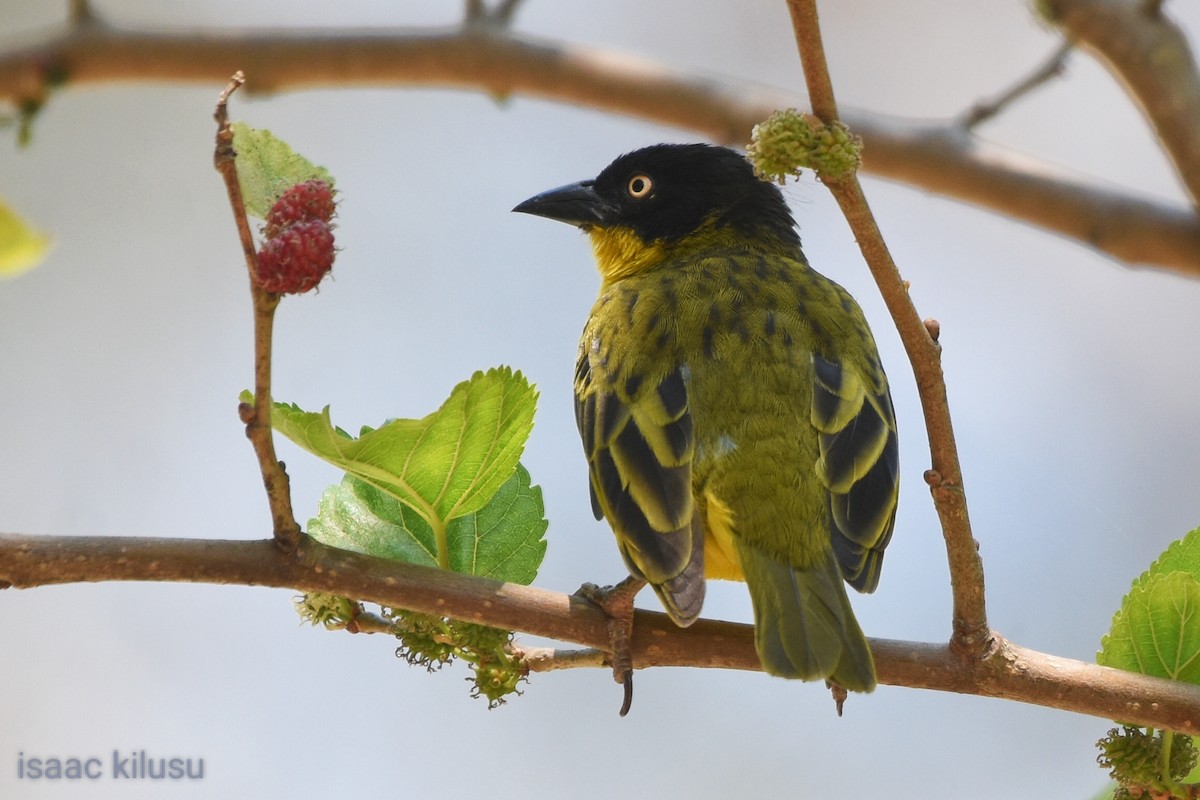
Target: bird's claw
x=617 y=604
x=839 y=695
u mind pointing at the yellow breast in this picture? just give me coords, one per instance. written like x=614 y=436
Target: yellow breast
x=720 y=556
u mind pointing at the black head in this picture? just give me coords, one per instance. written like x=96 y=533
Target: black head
x=667 y=191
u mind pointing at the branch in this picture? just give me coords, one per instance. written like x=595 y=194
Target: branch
x=499 y=16
x=948 y=160
x=1009 y=672
x=971 y=634
x=548 y=659
x=1051 y=68
x=943 y=158
x=1150 y=56
x=257 y=417
x=80 y=11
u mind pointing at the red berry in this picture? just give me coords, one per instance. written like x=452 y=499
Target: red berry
x=309 y=200
x=296 y=258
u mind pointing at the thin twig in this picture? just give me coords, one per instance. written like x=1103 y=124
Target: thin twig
x=548 y=659
x=533 y=659
x=505 y=11
x=368 y=622
x=257 y=417
x=971 y=634
x=812 y=59
x=939 y=157
x=497 y=17
x=80 y=12
x=1150 y=56
x=1009 y=672
x=1049 y=69
x=476 y=11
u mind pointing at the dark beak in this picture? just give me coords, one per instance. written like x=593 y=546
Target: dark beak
x=575 y=203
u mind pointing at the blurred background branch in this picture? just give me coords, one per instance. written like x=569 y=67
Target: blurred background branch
x=1148 y=53
x=943 y=157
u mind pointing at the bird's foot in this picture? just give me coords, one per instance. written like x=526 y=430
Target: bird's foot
x=839 y=695
x=617 y=604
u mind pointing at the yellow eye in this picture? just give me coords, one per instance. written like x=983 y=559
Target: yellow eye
x=640 y=186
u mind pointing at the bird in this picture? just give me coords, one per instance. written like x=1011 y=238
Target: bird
x=735 y=416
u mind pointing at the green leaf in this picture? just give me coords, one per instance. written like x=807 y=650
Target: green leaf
x=354 y=515
x=21 y=247
x=267 y=166
x=1182 y=555
x=503 y=540
x=1157 y=629
x=444 y=466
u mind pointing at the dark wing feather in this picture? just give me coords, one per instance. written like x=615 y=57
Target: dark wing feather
x=639 y=449
x=858 y=466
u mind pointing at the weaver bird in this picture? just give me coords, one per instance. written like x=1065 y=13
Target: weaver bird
x=736 y=419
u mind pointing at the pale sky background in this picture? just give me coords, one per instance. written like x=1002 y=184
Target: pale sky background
x=1073 y=382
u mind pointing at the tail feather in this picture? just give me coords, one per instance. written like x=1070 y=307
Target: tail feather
x=683 y=595
x=804 y=627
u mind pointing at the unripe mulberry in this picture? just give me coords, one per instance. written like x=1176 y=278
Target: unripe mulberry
x=303 y=202
x=296 y=258
x=1134 y=758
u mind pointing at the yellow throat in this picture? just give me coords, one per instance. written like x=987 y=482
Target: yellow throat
x=620 y=252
